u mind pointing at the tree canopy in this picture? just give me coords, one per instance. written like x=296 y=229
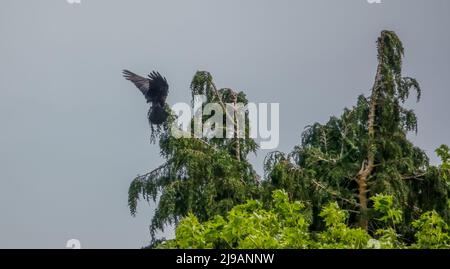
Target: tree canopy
x=285 y=225
x=365 y=152
x=204 y=176
x=355 y=181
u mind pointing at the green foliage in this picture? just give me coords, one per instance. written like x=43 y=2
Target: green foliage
x=337 y=234
x=332 y=215
x=285 y=225
x=326 y=165
x=384 y=204
x=209 y=190
x=432 y=231
x=203 y=176
x=389 y=216
x=248 y=226
x=443 y=153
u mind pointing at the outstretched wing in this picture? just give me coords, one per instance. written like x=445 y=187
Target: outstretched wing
x=143 y=84
x=154 y=88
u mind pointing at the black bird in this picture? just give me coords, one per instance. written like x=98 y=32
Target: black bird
x=155 y=90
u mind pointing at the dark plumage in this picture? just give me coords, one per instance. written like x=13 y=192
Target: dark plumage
x=155 y=90
x=157 y=114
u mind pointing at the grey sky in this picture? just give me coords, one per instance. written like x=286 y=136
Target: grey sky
x=73 y=132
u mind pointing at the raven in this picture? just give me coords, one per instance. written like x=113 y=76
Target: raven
x=155 y=90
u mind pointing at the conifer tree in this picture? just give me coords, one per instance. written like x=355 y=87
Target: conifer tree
x=350 y=161
x=365 y=152
x=203 y=176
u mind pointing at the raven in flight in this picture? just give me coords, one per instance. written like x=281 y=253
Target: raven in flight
x=155 y=90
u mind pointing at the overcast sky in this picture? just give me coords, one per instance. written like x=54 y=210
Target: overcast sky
x=74 y=133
